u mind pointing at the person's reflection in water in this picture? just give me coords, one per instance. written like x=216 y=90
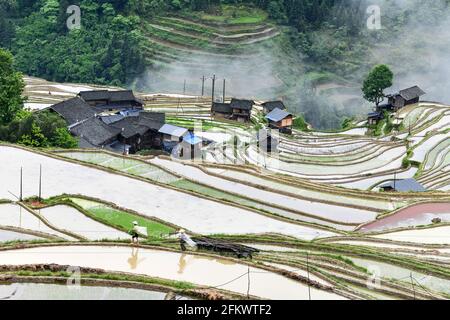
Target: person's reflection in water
x=133 y=261
x=182 y=264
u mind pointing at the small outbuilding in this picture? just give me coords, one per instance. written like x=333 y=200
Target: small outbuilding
x=172 y=136
x=374 y=117
x=406 y=185
x=266 y=142
x=269 y=106
x=191 y=147
x=281 y=120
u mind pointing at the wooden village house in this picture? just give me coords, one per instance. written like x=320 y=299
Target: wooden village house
x=104 y=100
x=395 y=102
x=127 y=129
x=280 y=120
x=404 y=97
x=241 y=109
x=221 y=110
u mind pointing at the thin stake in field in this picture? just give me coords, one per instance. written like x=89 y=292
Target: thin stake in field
x=40 y=183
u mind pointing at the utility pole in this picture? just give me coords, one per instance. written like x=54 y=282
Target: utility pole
x=395 y=180
x=184 y=87
x=21 y=185
x=203 y=86
x=224 y=83
x=248 y=283
x=412 y=284
x=307 y=270
x=213 y=89
x=40 y=183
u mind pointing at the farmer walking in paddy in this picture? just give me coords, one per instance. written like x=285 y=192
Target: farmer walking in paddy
x=134 y=233
x=137 y=231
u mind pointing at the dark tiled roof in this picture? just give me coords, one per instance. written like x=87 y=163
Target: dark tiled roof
x=110 y=96
x=242 y=104
x=140 y=125
x=411 y=93
x=113 y=96
x=407 y=185
x=112 y=118
x=94 y=131
x=277 y=115
x=130 y=126
x=73 y=110
x=221 y=107
x=271 y=105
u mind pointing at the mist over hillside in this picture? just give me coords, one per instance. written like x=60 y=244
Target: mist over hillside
x=312 y=54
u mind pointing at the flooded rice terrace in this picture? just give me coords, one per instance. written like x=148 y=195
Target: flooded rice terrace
x=40 y=291
x=416 y=215
x=194 y=213
x=201 y=270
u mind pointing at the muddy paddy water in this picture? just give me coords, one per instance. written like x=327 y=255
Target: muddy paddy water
x=416 y=215
x=39 y=291
x=199 y=270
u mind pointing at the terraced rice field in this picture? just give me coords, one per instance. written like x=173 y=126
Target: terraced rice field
x=314 y=211
x=43 y=291
x=196 y=214
x=70 y=219
x=168 y=265
x=15 y=216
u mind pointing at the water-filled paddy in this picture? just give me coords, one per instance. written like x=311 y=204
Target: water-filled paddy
x=194 y=213
x=68 y=218
x=6 y=235
x=12 y=215
x=169 y=265
x=39 y=291
x=390 y=271
x=332 y=212
x=416 y=215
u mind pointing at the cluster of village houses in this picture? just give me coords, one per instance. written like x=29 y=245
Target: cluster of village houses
x=116 y=121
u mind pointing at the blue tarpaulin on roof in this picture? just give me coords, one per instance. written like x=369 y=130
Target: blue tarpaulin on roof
x=192 y=139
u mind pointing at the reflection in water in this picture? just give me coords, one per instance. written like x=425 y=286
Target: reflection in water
x=182 y=263
x=134 y=260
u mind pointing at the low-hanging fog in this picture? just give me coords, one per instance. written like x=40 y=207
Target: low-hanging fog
x=414 y=41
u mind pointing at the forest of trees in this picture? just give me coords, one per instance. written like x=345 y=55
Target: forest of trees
x=108 y=47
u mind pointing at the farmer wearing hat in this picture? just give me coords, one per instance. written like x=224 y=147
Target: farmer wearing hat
x=185 y=239
x=134 y=233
